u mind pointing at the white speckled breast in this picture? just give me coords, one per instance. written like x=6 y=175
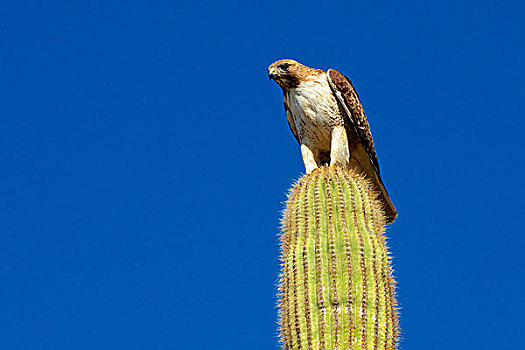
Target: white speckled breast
x=315 y=112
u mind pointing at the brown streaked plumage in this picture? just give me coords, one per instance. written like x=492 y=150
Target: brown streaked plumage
x=327 y=119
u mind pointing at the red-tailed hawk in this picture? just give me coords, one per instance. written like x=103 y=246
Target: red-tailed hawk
x=328 y=121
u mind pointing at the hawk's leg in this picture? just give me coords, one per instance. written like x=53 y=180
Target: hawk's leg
x=339 y=153
x=309 y=158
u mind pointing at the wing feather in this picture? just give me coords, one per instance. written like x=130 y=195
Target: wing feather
x=345 y=91
x=356 y=123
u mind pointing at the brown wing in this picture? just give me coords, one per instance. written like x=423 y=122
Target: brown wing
x=347 y=95
x=356 y=123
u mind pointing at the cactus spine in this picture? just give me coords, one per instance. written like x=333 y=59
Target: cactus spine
x=336 y=287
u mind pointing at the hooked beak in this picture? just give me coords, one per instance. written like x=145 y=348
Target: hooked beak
x=272 y=73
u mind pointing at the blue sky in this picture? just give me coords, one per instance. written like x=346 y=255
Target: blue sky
x=145 y=158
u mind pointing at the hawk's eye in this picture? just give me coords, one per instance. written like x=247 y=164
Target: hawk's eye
x=284 y=66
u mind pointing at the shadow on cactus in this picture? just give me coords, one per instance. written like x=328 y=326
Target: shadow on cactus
x=336 y=286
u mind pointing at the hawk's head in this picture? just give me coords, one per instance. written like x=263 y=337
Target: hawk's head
x=289 y=73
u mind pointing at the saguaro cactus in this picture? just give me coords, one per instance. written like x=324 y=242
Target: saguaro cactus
x=336 y=287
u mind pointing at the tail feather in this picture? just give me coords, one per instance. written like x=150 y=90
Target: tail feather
x=359 y=160
x=390 y=209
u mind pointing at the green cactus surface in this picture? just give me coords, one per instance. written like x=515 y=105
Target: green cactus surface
x=336 y=286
